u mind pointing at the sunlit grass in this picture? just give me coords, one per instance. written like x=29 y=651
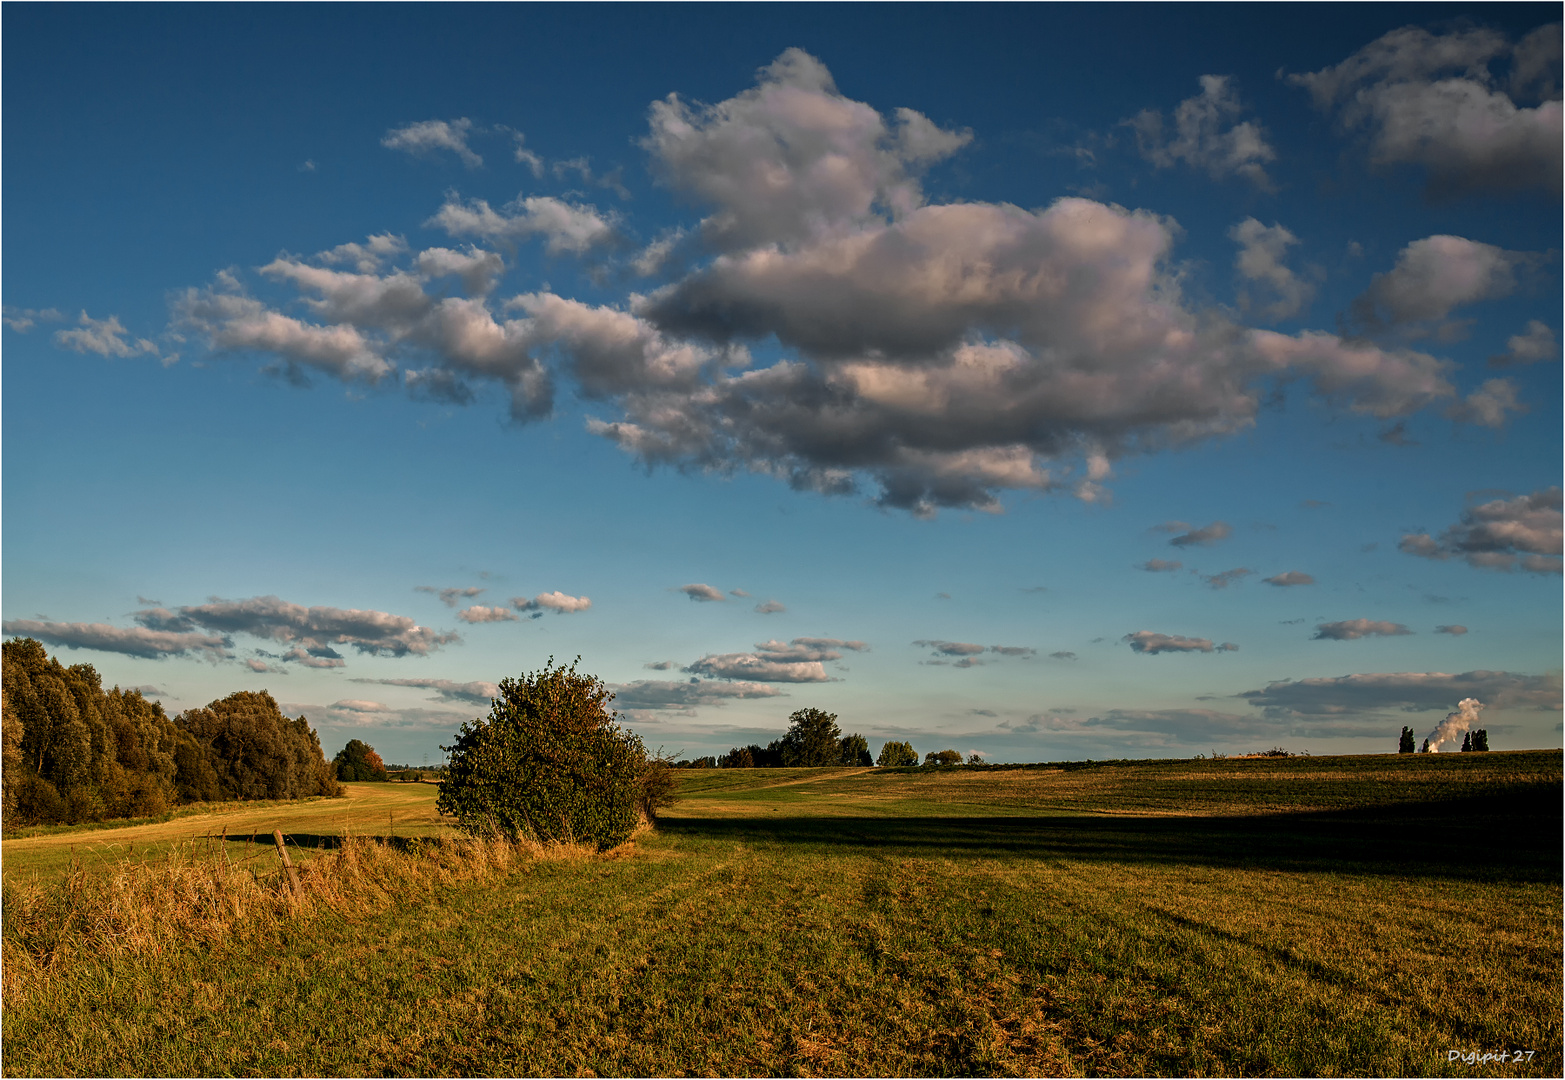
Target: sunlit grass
x=1325 y=916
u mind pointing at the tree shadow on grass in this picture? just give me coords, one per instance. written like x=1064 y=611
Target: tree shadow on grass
x=1513 y=837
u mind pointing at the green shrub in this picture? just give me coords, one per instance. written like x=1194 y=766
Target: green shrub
x=550 y=762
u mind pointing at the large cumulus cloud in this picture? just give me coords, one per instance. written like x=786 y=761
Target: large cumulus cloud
x=933 y=354
x=1501 y=534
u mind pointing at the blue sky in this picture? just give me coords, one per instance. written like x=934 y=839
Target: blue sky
x=1040 y=382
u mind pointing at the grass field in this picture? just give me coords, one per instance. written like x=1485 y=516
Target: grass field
x=1347 y=916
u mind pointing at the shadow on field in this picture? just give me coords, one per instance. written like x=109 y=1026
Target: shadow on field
x=1511 y=837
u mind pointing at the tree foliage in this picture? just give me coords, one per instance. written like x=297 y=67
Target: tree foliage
x=358 y=762
x=551 y=762
x=943 y=757
x=1407 y=744
x=76 y=752
x=812 y=739
x=854 y=750
x=894 y=753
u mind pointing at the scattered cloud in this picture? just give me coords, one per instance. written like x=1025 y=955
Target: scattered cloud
x=1313 y=504
x=1353 y=629
x=951 y=648
x=1204 y=537
x=1534 y=345
x=24 y=319
x=1145 y=641
x=1501 y=534
x=739 y=593
x=450 y=597
x=313 y=629
x=480 y=614
x=1407 y=692
x=315 y=658
x=1271 y=291
x=1432 y=278
x=1454 y=629
x=1161 y=566
x=1288 y=578
x=1227 y=577
x=771 y=607
x=799 y=661
x=557 y=602
x=1063 y=655
x=106 y=337
x=1433 y=100
x=153 y=644
x=702 y=593
x=429 y=136
x=644 y=696
x=567 y=227
x=477 y=692
x=661 y=665
x=1487 y=406
x=1206 y=136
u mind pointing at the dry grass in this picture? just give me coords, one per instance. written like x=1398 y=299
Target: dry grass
x=195 y=894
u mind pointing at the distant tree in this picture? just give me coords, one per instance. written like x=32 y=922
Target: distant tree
x=812 y=739
x=257 y=752
x=943 y=757
x=975 y=759
x=551 y=762
x=740 y=757
x=1481 y=739
x=1467 y=742
x=1407 y=744
x=358 y=762
x=1425 y=748
x=854 y=751
x=893 y=754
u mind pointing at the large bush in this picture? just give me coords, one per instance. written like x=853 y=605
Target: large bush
x=550 y=762
x=358 y=761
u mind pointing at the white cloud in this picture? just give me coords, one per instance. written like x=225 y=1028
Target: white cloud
x=1432 y=277
x=704 y=593
x=1487 y=405
x=1530 y=347
x=1227 y=577
x=1433 y=100
x=1205 y=136
x=449 y=597
x=154 y=644
x=1501 y=534
x=951 y=648
x=792 y=157
x=799 y=661
x=1161 y=566
x=478 y=613
x=566 y=227
x=649 y=695
x=311 y=629
x=1146 y=641
x=24 y=319
x=556 y=601
x=1290 y=577
x=477 y=692
x=428 y=136
x=770 y=607
x=233 y=322
x=1279 y=293
x=1454 y=629
x=315 y=658
x=1353 y=629
x=1406 y=691
x=106 y=337
x=1205 y=536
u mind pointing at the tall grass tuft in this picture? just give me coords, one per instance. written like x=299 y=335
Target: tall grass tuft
x=195 y=896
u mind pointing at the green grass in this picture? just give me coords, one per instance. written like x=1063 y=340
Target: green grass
x=1339 y=916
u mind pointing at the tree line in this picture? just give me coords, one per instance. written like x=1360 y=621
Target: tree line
x=75 y=752
x=814 y=739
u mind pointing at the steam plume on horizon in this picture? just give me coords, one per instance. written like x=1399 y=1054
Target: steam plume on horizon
x=1455 y=724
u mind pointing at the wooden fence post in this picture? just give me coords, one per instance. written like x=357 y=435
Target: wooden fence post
x=293 y=875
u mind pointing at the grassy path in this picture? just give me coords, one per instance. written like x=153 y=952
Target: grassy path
x=784 y=925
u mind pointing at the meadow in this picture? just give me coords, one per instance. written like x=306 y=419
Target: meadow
x=1301 y=916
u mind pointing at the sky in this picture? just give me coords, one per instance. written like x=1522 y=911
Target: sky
x=1043 y=382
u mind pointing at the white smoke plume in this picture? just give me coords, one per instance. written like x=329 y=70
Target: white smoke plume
x=1457 y=723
